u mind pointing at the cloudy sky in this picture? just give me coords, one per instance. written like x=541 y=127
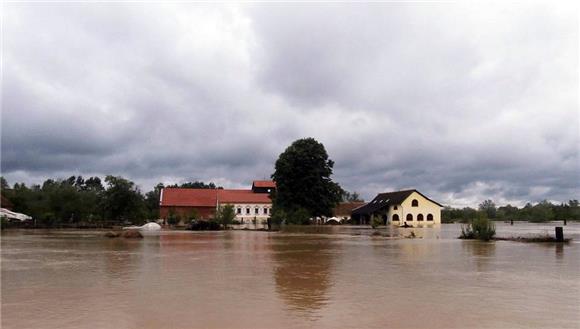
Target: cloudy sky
x=462 y=102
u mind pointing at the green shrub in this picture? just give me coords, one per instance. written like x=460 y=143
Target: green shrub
x=299 y=216
x=376 y=221
x=225 y=215
x=172 y=218
x=480 y=228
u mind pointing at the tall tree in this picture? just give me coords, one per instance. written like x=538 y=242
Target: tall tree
x=122 y=199
x=489 y=208
x=302 y=175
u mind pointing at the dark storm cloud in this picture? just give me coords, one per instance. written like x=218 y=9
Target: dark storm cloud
x=461 y=102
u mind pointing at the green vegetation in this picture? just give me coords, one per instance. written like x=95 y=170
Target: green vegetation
x=78 y=202
x=540 y=212
x=480 y=228
x=376 y=221
x=351 y=197
x=225 y=215
x=304 y=187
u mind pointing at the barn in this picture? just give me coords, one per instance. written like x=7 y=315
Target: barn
x=409 y=207
x=250 y=205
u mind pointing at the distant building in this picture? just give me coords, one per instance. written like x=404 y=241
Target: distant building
x=397 y=208
x=343 y=210
x=252 y=205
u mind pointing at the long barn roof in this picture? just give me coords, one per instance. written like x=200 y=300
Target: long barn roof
x=192 y=197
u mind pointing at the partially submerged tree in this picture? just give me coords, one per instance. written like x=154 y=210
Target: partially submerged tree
x=225 y=215
x=302 y=175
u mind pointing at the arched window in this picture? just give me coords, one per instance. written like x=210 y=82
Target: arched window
x=414 y=203
x=430 y=217
x=395 y=218
x=409 y=217
x=256 y=211
x=420 y=217
x=247 y=210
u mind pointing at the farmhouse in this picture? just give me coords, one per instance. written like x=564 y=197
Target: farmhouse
x=409 y=207
x=252 y=205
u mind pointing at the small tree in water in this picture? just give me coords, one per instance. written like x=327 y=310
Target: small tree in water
x=480 y=228
x=225 y=215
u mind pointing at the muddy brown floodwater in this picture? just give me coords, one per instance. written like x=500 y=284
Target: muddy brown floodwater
x=314 y=277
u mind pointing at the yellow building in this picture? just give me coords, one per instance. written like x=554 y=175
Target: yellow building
x=409 y=207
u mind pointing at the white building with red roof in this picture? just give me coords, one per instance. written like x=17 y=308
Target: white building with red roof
x=252 y=205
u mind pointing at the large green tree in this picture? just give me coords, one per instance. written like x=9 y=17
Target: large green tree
x=303 y=182
x=122 y=200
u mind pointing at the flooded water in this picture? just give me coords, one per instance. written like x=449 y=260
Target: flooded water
x=314 y=277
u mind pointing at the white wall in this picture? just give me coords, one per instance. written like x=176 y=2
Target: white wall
x=247 y=218
x=425 y=208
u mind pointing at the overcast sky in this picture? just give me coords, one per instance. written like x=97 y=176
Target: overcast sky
x=461 y=102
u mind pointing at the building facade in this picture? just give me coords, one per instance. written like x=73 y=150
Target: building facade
x=250 y=206
x=409 y=207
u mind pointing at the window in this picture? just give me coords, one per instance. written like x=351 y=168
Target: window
x=414 y=203
x=256 y=211
x=247 y=211
x=239 y=211
x=430 y=217
x=420 y=217
x=409 y=217
x=265 y=211
x=395 y=218
x=395 y=208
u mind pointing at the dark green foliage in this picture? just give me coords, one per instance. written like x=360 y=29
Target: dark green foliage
x=122 y=200
x=488 y=206
x=540 y=212
x=196 y=184
x=376 y=221
x=203 y=225
x=480 y=228
x=173 y=218
x=302 y=175
x=298 y=216
x=76 y=201
x=152 y=202
x=225 y=215
x=350 y=197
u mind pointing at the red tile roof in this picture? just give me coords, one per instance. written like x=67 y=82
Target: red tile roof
x=264 y=183
x=190 y=197
x=242 y=196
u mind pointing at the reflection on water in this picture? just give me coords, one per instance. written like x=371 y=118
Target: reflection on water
x=481 y=253
x=323 y=277
x=302 y=271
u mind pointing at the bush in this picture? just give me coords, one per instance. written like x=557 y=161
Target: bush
x=204 y=225
x=480 y=228
x=299 y=216
x=172 y=218
x=376 y=221
x=225 y=215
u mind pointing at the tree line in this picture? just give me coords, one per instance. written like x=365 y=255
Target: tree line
x=543 y=211
x=76 y=201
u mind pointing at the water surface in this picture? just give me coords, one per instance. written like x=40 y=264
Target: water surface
x=315 y=277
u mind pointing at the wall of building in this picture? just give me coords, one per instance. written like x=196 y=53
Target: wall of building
x=185 y=212
x=264 y=211
x=425 y=208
